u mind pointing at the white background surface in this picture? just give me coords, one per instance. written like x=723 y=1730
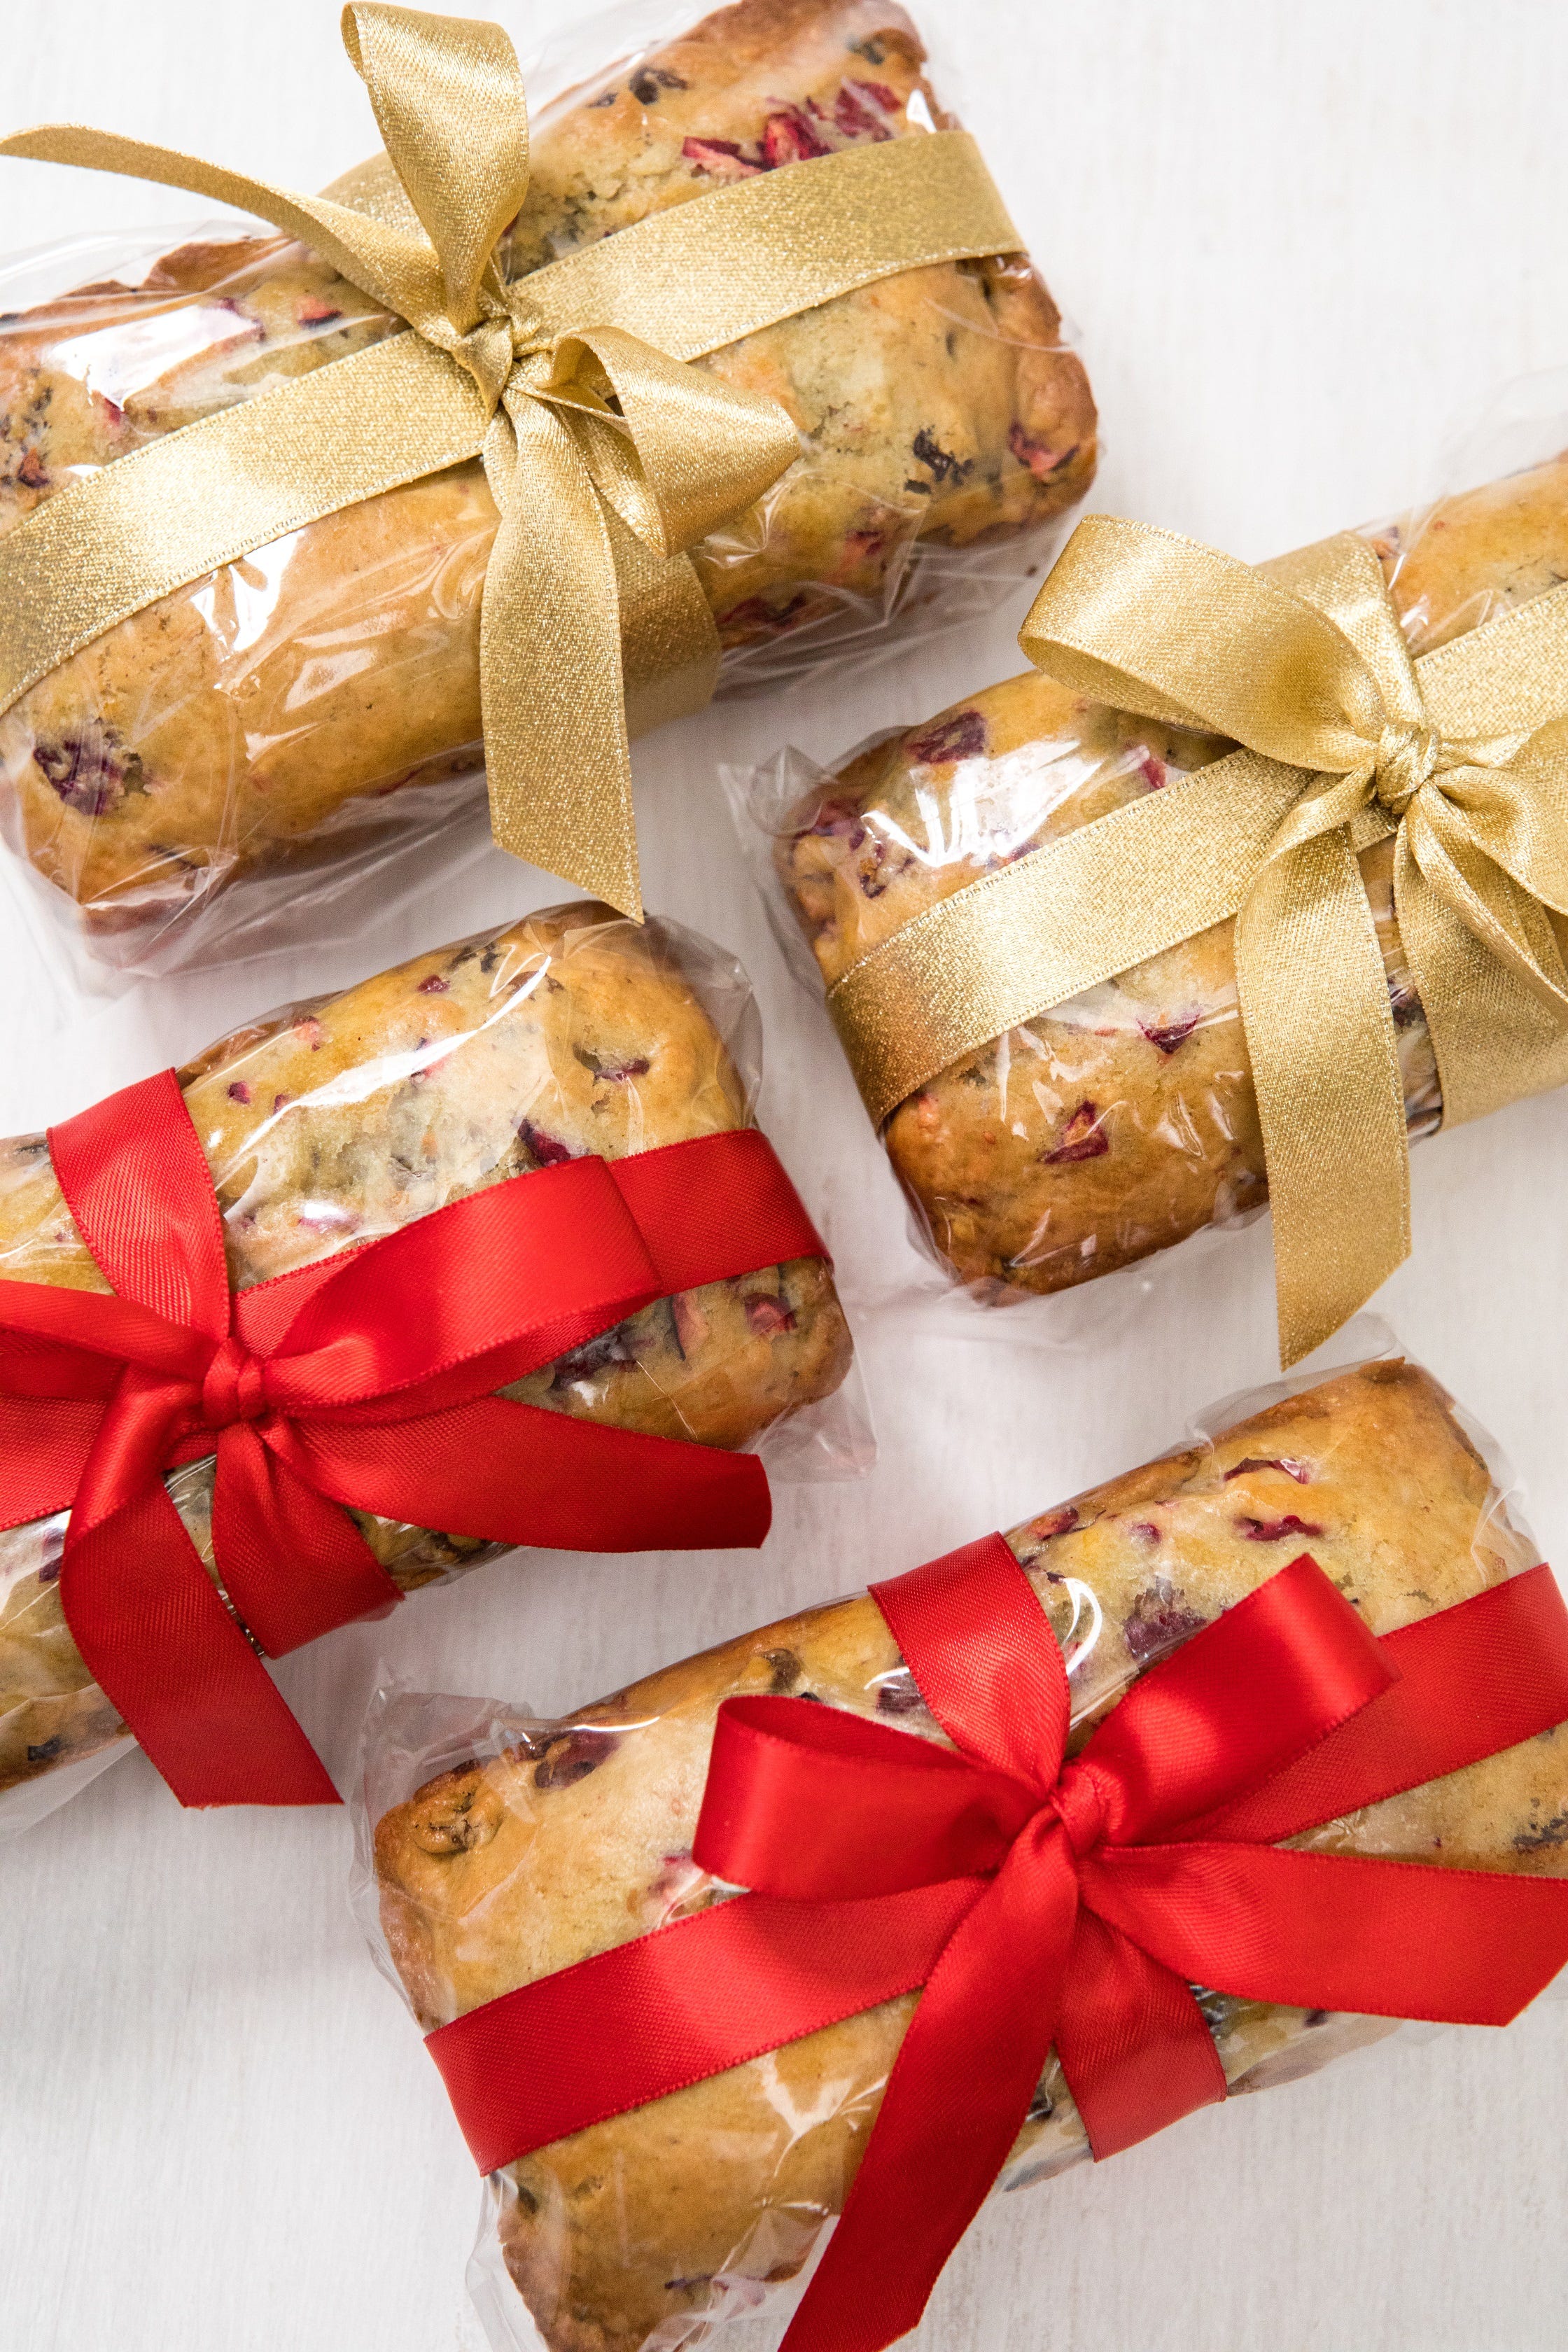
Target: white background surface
x=1297 y=236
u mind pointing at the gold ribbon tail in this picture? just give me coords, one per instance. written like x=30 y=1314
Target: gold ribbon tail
x=556 y=751
x=1325 y=1068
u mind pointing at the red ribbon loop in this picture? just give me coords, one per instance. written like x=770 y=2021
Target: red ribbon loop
x=1039 y=1901
x=364 y=1383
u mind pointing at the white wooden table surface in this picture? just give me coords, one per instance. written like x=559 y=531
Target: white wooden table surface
x=1297 y=236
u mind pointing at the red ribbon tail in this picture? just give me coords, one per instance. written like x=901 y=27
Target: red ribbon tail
x=1339 y=1931
x=149 y=1625
x=517 y=1474
x=263 y=1513
x=957 y=2096
x=1132 y=2041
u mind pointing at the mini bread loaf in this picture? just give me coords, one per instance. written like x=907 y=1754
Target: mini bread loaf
x=246 y=712
x=572 y=1033
x=572 y=1837
x=1119 y=1123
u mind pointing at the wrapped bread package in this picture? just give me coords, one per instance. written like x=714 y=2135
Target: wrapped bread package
x=532 y=1886
x=1067 y=929
x=507 y=1070
x=316 y=700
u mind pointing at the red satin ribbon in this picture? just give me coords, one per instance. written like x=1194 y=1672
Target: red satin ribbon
x=363 y=1381
x=1040 y=1901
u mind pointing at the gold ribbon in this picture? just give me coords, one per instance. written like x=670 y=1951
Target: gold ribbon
x=1462 y=756
x=607 y=453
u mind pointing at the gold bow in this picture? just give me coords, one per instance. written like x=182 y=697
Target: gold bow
x=607 y=453
x=1462 y=756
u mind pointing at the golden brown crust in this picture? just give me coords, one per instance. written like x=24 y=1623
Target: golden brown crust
x=235 y=719
x=576 y=1837
x=1116 y=1125
x=572 y=1033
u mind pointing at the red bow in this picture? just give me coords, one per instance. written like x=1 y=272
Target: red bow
x=362 y=1381
x=1042 y=1902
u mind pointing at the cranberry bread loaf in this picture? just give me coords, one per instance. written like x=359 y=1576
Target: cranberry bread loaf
x=572 y=1837
x=1119 y=1123
x=243 y=713
x=572 y=1032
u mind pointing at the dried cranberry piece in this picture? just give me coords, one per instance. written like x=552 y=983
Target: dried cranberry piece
x=768 y=1317
x=1169 y=1034
x=1297 y=1470
x=1058 y=1522
x=1041 y=462
x=571 y=1757
x=30 y=472
x=900 y=1694
x=788 y=138
x=1276 y=1530
x=1405 y=1005
x=594 y=1356
x=854 y=119
x=86 y=769
x=434 y=985
x=1159 y=1618
x=690 y=1323
x=835 y=821
x=613 y=1073
x=861 y=546
x=547 y=1149
x=719 y=158
x=755 y=618
x=1083 y=1138
x=962 y=737
x=681 y=1887
x=239 y=1092
x=313 y=312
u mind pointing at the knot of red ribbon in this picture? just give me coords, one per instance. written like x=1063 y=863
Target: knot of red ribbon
x=234 y=1386
x=1038 y=1902
x=363 y=1383
x=1079 y=1803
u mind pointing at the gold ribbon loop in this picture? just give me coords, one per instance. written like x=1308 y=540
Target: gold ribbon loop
x=1463 y=756
x=1292 y=685
x=668 y=414
x=449 y=104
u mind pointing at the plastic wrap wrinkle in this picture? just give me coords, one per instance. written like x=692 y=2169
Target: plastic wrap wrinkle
x=494 y=1848
x=330 y=1121
x=274 y=719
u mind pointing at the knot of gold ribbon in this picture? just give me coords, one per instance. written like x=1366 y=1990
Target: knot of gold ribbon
x=607 y=452
x=1461 y=756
